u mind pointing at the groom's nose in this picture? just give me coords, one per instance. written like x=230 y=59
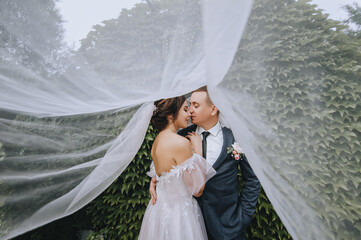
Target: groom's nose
x=190 y=109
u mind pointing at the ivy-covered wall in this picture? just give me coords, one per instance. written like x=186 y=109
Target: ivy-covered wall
x=118 y=212
x=304 y=74
x=304 y=59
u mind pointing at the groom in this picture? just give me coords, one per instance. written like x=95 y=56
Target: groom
x=225 y=213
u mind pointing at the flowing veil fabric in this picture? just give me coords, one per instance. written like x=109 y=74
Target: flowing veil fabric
x=283 y=75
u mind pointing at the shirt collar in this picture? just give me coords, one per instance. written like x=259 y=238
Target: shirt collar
x=214 y=130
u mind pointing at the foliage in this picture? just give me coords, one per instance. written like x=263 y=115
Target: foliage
x=96 y=130
x=27 y=50
x=266 y=223
x=2 y=214
x=117 y=213
x=26 y=44
x=292 y=58
x=354 y=13
x=133 y=48
x=2 y=152
x=62 y=229
x=304 y=74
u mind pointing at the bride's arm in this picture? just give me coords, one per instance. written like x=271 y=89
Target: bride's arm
x=153 y=183
x=200 y=170
x=152 y=190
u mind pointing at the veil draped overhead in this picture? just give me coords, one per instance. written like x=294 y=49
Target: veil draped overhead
x=284 y=76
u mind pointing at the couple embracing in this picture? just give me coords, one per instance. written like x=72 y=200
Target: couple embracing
x=194 y=185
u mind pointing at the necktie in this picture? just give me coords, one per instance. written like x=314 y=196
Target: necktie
x=204 y=143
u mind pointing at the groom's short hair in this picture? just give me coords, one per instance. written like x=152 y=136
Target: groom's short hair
x=204 y=89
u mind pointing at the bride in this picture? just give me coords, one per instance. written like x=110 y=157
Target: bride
x=181 y=173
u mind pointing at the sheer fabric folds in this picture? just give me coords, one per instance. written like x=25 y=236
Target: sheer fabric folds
x=284 y=76
x=176 y=215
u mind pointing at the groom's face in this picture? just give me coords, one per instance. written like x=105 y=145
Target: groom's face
x=200 y=108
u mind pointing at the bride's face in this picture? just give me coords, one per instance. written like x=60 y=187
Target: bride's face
x=183 y=116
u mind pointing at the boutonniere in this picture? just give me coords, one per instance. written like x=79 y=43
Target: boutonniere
x=236 y=151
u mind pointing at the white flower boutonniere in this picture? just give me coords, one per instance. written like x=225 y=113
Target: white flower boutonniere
x=236 y=151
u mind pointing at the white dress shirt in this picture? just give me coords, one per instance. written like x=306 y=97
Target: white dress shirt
x=214 y=142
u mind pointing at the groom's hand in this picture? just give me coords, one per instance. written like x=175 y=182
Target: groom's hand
x=153 y=193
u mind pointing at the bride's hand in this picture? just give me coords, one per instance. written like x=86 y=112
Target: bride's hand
x=198 y=194
x=152 y=191
x=196 y=142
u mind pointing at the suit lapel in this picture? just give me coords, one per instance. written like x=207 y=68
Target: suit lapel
x=184 y=132
x=227 y=142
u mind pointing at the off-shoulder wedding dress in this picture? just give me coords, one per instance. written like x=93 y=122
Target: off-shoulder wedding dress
x=176 y=214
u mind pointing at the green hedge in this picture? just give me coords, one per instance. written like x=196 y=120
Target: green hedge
x=292 y=58
x=117 y=213
x=303 y=72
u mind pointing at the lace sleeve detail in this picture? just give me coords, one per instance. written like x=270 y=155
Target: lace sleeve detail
x=151 y=172
x=195 y=172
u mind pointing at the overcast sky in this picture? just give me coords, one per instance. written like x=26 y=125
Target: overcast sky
x=81 y=15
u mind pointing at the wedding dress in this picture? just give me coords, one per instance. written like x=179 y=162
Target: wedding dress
x=176 y=214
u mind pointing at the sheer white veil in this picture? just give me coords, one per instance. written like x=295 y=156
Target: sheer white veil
x=72 y=120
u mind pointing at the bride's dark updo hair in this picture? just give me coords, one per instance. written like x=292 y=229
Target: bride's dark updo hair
x=164 y=108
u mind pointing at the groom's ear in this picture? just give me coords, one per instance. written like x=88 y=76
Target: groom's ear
x=214 y=111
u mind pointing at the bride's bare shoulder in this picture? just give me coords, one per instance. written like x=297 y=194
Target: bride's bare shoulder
x=178 y=141
x=182 y=148
x=173 y=146
x=172 y=141
x=175 y=142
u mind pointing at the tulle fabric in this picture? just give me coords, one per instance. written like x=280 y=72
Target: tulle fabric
x=72 y=120
x=176 y=214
